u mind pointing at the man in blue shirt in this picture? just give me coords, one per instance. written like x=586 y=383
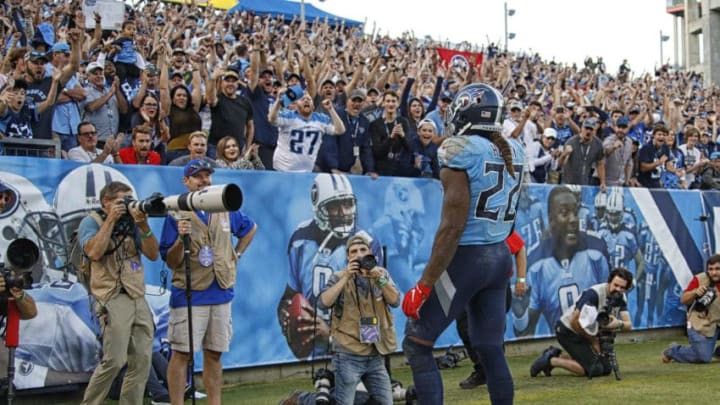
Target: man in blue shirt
x=213 y=265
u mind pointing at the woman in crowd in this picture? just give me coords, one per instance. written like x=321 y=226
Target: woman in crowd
x=149 y=115
x=426 y=161
x=230 y=157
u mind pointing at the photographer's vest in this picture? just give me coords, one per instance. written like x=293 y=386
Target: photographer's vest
x=218 y=236
x=705 y=323
x=346 y=329
x=119 y=271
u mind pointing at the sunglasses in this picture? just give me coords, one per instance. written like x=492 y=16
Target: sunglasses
x=88 y=134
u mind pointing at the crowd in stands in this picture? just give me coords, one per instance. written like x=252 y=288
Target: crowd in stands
x=177 y=82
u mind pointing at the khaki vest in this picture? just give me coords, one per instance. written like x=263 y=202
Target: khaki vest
x=703 y=323
x=122 y=268
x=346 y=329
x=217 y=234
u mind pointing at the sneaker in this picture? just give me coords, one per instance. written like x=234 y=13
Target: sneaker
x=551 y=351
x=154 y=402
x=542 y=363
x=666 y=356
x=474 y=380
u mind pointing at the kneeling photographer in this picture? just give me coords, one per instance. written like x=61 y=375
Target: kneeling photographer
x=113 y=241
x=362 y=326
x=703 y=317
x=587 y=329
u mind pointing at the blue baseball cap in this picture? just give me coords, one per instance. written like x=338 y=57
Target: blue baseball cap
x=623 y=121
x=715 y=155
x=446 y=95
x=60 y=47
x=196 y=166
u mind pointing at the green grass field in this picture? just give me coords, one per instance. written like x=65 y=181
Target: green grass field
x=645 y=380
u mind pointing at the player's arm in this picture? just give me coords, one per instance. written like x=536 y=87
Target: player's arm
x=456 y=205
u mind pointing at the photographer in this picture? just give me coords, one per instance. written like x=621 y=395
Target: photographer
x=24 y=302
x=212 y=261
x=362 y=327
x=601 y=309
x=113 y=240
x=703 y=317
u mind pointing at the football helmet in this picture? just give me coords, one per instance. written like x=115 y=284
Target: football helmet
x=600 y=205
x=477 y=107
x=79 y=193
x=27 y=215
x=615 y=209
x=334 y=204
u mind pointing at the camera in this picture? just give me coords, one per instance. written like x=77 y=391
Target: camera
x=367 y=262
x=21 y=256
x=323 y=380
x=606 y=338
x=702 y=303
x=152 y=206
x=400 y=394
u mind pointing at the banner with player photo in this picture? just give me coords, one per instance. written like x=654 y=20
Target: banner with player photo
x=659 y=235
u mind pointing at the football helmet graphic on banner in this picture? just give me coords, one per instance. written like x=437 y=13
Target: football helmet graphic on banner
x=334 y=204
x=614 y=209
x=27 y=215
x=79 y=193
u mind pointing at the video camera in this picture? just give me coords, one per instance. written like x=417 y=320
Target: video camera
x=606 y=337
x=21 y=256
x=221 y=198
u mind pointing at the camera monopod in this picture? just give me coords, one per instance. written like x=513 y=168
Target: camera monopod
x=12 y=339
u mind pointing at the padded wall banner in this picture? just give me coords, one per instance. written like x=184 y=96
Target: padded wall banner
x=660 y=236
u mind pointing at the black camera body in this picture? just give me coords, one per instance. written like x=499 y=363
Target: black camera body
x=152 y=206
x=323 y=380
x=702 y=303
x=22 y=280
x=367 y=262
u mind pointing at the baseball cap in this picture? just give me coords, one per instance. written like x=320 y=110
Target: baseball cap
x=446 y=95
x=178 y=50
x=176 y=73
x=230 y=74
x=327 y=81
x=94 y=66
x=60 y=47
x=373 y=89
x=266 y=70
x=634 y=110
x=550 y=133
x=196 y=166
x=290 y=75
x=515 y=106
x=358 y=93
x=35 y=55
x=715 y=156
x=623 y=121
x=359 y=238
x=589 y=123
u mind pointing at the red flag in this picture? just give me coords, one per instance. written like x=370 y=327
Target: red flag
x=459 y=60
